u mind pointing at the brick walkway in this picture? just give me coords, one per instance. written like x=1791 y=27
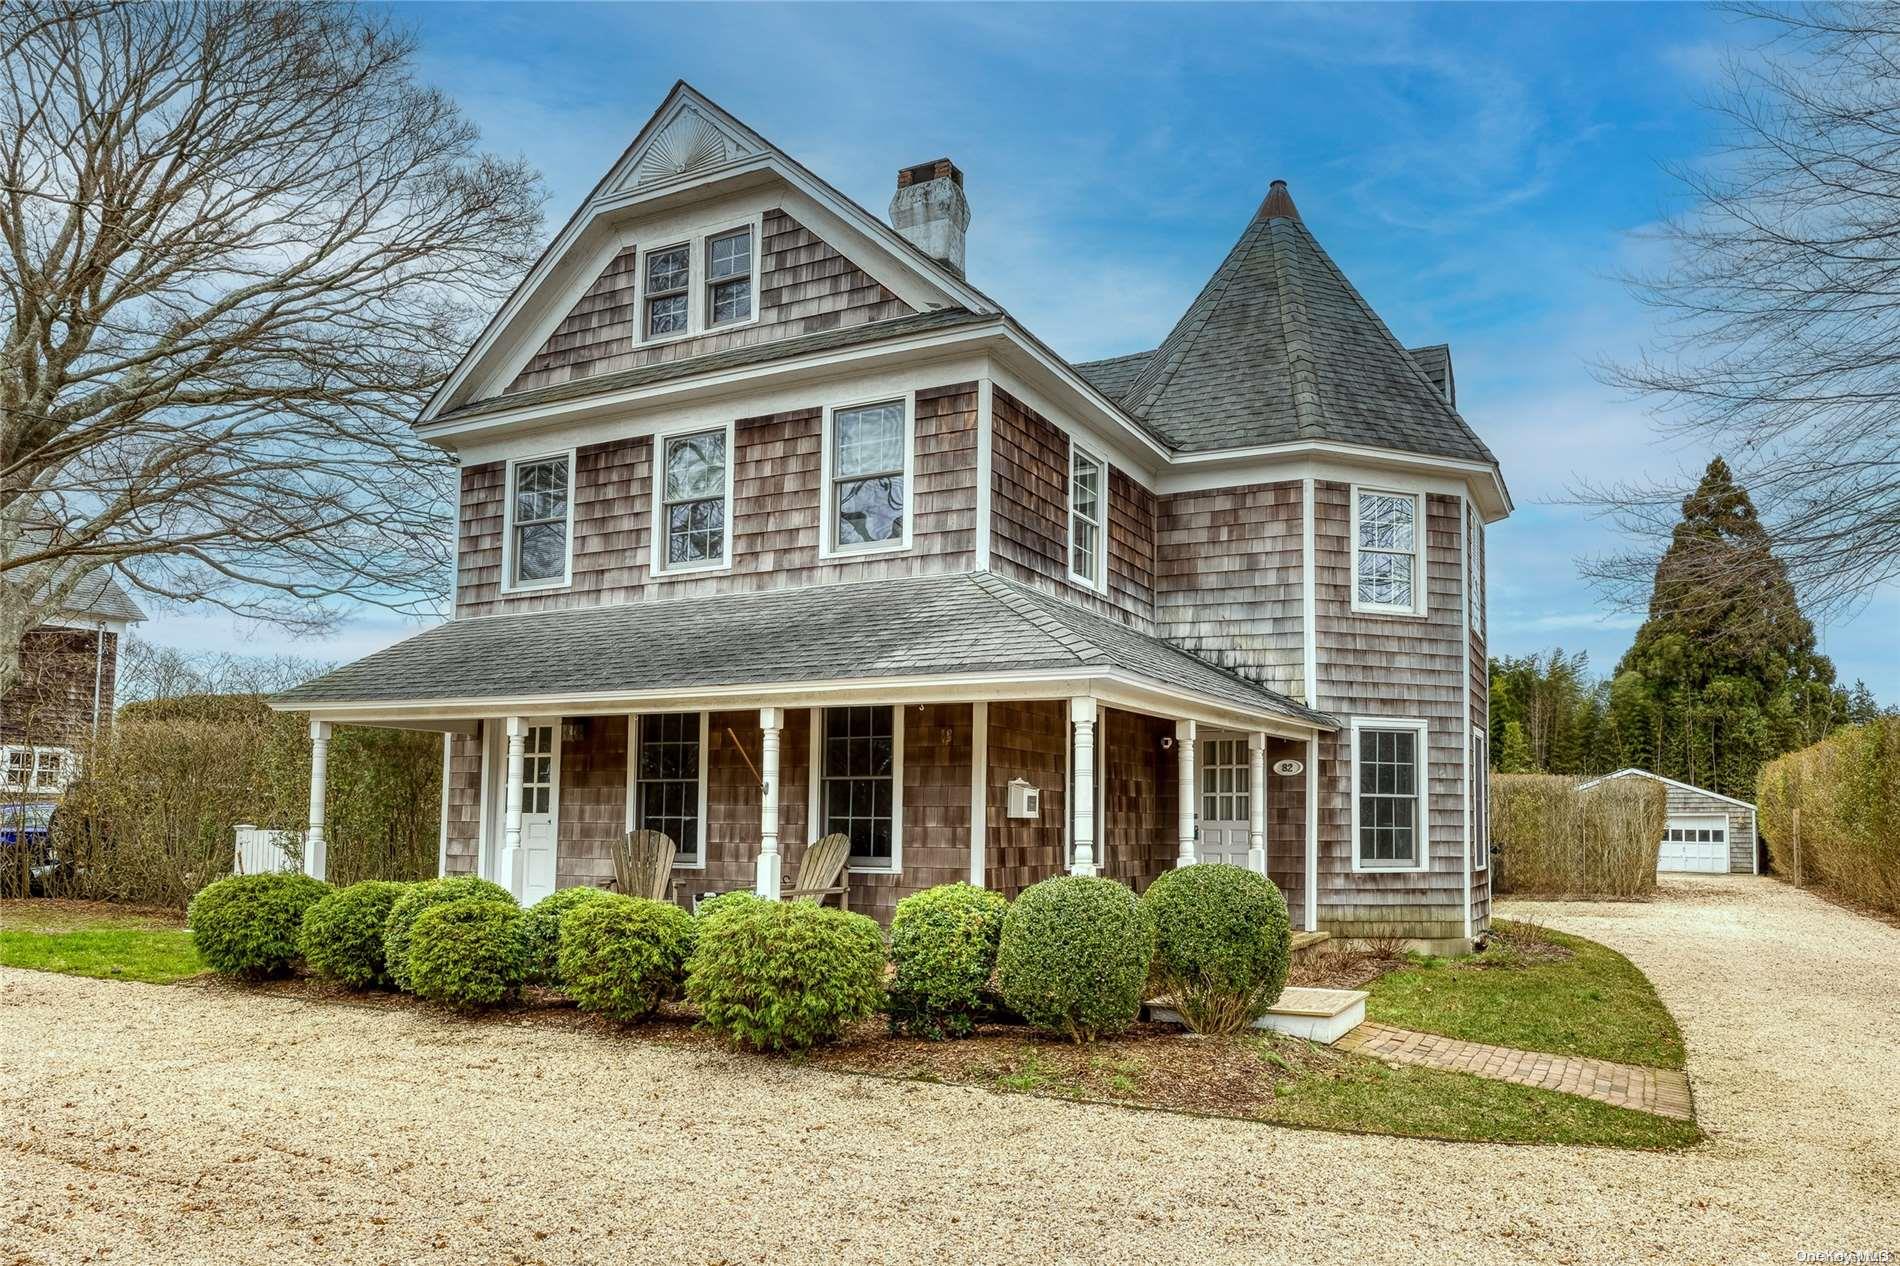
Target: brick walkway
x=1660 y=1090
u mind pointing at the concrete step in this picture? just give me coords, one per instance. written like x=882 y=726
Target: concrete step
x=1318 y=1015
x=1306 y=942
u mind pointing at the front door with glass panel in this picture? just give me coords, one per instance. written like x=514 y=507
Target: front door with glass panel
x=540 y=809
x=1226 y=799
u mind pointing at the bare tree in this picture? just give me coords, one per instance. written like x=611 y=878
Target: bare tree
x=149 y=671
x=1781 y=342
x=241 y=246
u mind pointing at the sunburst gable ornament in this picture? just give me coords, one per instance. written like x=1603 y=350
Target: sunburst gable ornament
x=690 y=142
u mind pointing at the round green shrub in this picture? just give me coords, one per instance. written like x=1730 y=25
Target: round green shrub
x=785 y=975
x=1074 y=956
x=249 y=925
x=467 y=952
x=624 y=956
x=943 y=943
x=712 y=906
x=430 y=892
x=541 y=931
x=343 y=933
x=1221 y=944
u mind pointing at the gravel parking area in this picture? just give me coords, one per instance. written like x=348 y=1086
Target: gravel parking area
x=150 y=1124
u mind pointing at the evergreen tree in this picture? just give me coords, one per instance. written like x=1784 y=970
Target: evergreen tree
x=1723 y=675
x=1515 y=756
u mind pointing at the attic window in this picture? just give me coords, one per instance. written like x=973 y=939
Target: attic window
x=668 y=280
x=729 y=277
x=1386 y=559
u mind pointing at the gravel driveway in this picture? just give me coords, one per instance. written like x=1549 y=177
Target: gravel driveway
x=145 y=1124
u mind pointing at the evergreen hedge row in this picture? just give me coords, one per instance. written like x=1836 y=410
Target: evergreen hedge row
x=1847 y=787
x=1551 y=839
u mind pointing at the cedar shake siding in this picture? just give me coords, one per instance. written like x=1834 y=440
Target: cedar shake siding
x=1029 y=517
x=1228 y=583
x=1376 y=666
x=805 y=287
x=1141 y=789
x=462 y=823
x=50 y=704
x=776 y=515
x=1480 y=705
x=1027 y=740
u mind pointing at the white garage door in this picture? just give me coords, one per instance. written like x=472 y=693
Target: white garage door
x=1695 y=843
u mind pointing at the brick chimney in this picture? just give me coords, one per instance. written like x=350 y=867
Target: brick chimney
x=930 y=211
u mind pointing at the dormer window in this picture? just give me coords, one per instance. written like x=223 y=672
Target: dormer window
x=1086 y=517
x=1387 y=559
x=729 y=278
x=669 y=278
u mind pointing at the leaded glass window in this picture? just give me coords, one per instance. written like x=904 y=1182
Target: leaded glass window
x=694 y=498
x=1386 y=550
x=540 y=520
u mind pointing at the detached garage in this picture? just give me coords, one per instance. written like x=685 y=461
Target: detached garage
x=1707 y=832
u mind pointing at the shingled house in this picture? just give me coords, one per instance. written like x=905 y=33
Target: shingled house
x=773 y=525
x=65 y=691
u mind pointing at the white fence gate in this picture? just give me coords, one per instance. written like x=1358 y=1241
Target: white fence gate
x=260 y=851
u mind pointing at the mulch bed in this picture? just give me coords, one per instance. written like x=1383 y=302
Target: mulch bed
x=1337 y=967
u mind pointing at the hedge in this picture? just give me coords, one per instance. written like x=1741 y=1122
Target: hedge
x=1074 y=956
x=1552 y=838
x=434 y=892
x=1847 y=787
x=785 y=975
x=250 y=926
x=1222 y=944
x=342 y=934
x=467 y=953
x=943 y=946
x=623 y=956
x=541 y=931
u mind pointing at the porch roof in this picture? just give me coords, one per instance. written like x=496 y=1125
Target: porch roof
x=947 y=627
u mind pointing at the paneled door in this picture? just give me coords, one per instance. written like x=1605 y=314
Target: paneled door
x=540 y=808
x=1226 y=799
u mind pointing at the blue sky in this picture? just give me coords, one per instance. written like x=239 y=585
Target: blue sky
x=1481 y=172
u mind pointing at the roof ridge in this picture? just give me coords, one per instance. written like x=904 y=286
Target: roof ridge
x=1020 y=603
x=1296 y=328
x=1154 y=379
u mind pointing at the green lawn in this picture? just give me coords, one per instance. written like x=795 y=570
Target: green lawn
x=1593 y=1003
x=96 y=939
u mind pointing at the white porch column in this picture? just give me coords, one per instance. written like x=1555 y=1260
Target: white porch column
x=1082 y=715
x=771 y=723
x=316 y=851
x=1257 y=803
x=514 y=861
x=1184 y=734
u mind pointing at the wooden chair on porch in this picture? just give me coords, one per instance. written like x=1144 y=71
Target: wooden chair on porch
x=821 y=873
x=643 y=865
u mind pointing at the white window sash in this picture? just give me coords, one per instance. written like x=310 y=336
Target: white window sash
x=1094 y=574
x=1415 y=556
x=1421 y=795
x=511 y=527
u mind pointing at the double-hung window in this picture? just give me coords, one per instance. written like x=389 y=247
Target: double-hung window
x=668 y=283
x=16 y=768
x=729 y=277
x=1389 y=823
x=1386 y=555
x=868 y=456
x=667 y=791
x=860 y=795
x=538 y=521
x=1086 y=518
x=1480 y=801
x=693 y=499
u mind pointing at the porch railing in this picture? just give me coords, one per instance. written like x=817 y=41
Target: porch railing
x=260 y=851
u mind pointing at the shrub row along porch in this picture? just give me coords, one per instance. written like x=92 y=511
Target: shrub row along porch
x=955 y=728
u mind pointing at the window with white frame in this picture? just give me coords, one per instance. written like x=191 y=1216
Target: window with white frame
x=1386 y=532
x=36 y=769
x=729 y=277
x=668 y=283
x=666 y=796
x=867 y=475
x=1480 y=801
x=1388 y=794
x=1474 y=567
x=1087 y=515
x=539 y=521
x=693 y=499
x=859 y=755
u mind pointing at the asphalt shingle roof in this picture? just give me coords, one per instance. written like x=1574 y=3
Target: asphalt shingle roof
x=101 y=594
x=926 y=626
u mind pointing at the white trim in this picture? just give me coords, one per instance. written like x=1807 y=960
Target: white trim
x=633 y=780
x=1644 y=773
x=979 y=789
x=483 y=817
x=828 y=548
x=1418 y=607
x=1422 y=778
x=508 y=584
x=985 y=467
x=1336 y=462
x=1481 y=808
x=658 y=568
x=702 y=259
x=817 y=779
x=448 y=766
x=68 y=768
x=1309 y=596
x=1312 y=834
x=84 y=623
x=1464 y=677
x=1097 y=580
x=695 y=237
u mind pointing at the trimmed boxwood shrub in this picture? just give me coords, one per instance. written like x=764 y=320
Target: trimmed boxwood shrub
x=623 y=956
x=1221 y=944
x=712 y=906
x=249 y=925
x=785 y=975
x=1074 y=956
x=430 y=892
x=943 y=943
x=343 y=933
x=467 y=952
x=541 y=931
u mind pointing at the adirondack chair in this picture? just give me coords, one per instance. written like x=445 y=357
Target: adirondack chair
x=643 y=864
x=821 y=873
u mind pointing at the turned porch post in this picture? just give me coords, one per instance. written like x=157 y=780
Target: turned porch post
x=513 y=860
x=771 y=723
x=1184 y=732
x=315 y=848
x=1257 y=803
x=1082 y=714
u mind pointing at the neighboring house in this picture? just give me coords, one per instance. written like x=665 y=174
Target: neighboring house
x=1706 y=831
x=69 y=671
x=773 y=525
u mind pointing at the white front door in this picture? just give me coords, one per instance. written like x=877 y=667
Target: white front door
x=540 y=808
x=1226 y=799
x=1698 y=843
